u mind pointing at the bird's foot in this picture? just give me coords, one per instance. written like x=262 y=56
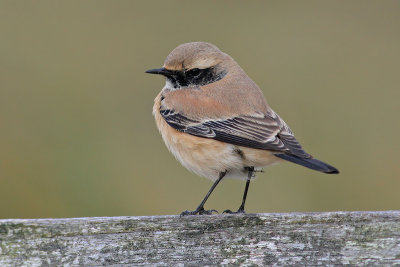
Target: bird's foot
x=198 y=211
x=239 y=211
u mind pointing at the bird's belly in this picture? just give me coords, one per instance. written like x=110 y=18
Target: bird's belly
x=258 y=158
x=204 y=157
x=208 y=157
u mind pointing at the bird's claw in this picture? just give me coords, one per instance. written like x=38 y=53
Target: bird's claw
x=198 y=212
x=207 y=212
x=239 y=211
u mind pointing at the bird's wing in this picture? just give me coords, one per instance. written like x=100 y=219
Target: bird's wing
x=260 y=131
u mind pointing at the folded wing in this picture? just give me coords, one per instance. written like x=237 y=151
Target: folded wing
x=260 y=131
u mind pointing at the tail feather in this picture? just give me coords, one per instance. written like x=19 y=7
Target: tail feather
x=309 y=163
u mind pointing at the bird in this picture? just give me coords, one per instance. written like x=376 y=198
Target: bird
x=216 y=121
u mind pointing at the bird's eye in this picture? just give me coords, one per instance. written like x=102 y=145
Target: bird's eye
x=194 y=72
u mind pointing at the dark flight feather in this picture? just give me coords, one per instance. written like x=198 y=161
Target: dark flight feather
x=309 y=163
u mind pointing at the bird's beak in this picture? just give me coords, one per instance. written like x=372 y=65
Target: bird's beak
x=162 y=71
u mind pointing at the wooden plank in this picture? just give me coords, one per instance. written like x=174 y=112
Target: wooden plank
x=331 y=238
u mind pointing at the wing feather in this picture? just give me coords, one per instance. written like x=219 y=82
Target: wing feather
x=260 y=131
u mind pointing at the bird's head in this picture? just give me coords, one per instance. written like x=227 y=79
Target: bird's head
x=194 y=64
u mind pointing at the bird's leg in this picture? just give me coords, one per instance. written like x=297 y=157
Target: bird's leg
x=241 y=208
x=200 y=209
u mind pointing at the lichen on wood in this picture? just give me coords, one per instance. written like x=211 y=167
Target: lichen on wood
x=330 y=238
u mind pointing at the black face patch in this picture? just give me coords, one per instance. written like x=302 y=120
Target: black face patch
x=195 y=77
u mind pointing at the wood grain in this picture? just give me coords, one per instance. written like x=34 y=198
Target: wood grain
x=331 y=238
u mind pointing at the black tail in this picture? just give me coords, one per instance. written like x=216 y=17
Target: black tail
x=309 y=163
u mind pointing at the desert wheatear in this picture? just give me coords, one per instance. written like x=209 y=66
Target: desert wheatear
x=216 y=121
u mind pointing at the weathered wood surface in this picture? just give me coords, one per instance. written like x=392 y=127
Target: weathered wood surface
x=332 y=238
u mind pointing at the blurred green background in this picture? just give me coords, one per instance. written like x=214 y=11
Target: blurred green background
x=77 y=134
